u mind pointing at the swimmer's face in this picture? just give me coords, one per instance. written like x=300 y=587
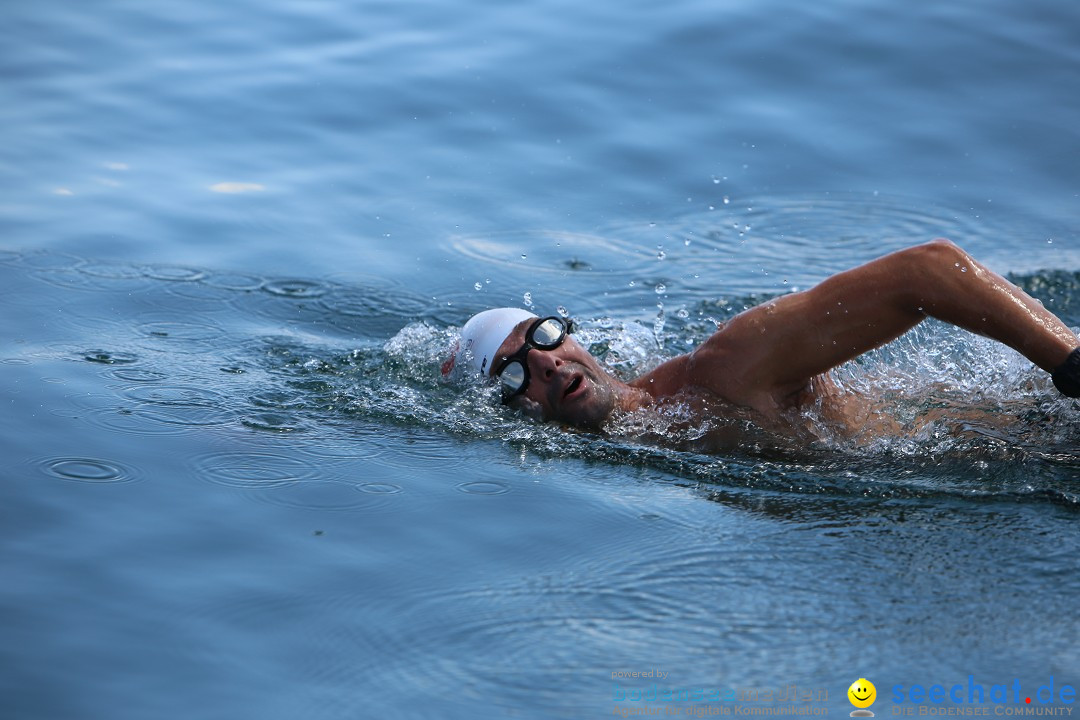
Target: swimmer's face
x=566 y=384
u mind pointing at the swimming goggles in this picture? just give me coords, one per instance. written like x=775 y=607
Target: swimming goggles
x=544 y=334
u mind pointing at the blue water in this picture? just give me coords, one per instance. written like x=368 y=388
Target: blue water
x=235 y=240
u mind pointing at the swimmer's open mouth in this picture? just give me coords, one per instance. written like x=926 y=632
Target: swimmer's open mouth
x=573 y=386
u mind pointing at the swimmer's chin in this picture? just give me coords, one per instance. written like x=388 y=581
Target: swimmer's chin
x=596 y=421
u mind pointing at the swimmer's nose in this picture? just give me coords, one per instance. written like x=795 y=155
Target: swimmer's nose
x=544 y=364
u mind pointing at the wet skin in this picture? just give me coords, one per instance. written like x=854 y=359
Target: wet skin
x=566 y=384
x=774 y=357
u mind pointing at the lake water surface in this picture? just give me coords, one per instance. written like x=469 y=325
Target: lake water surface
x=236 y=240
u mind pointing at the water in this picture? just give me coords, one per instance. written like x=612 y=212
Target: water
x=237 y=239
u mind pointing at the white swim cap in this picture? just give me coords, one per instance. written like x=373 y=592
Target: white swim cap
x=481 y=337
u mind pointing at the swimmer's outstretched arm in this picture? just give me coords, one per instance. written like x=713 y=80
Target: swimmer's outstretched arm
x=778 y=346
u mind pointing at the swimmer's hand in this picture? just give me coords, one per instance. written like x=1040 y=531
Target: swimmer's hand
x=1066 y=376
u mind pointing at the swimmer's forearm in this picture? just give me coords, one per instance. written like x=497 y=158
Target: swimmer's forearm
x=958 y=289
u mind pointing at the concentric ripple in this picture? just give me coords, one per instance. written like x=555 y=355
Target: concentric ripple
x=175 y=395
x=273 y=422
x=181 y=335
x=233 y=281
x=173 y=273
x=554 y=252
x=50 y=261
x=115 y=271
x=485 y=638
x=179 y=405
x=110 y=357
x=295 y=288
x=483 y=487
x=136 y=374
x=86 y=470
x=254 y=469
x=326 y=495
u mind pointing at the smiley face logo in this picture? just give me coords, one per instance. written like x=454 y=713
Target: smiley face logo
x=862 y=694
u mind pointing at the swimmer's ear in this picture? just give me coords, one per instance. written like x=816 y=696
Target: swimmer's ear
x=531 y=408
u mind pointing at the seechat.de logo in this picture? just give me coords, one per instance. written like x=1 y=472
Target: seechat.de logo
x=862 y=694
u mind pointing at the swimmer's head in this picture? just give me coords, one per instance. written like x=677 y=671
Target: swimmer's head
x=564 y=383
x=481 y=337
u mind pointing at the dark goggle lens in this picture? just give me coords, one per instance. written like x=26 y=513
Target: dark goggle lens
x=548 y=334
x=513 y=376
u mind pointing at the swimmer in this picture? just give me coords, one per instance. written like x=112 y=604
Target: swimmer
x=772 y=358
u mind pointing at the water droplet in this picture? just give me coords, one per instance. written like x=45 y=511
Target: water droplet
x=661 y=255
x=523 y=256
x=715 y=180
x=528 y=299
x=478 y=286
x=727 y=200
x=631 y=283
x=661 y=288
x=562 y=311
x=963 y=269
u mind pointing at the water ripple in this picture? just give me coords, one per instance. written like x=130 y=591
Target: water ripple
x=296 y=288
x=181 y=335
x=483 y=487
x=233 y=281
x=173 y=273
x=273 y=422
x=50 y=261
x=110 y=357
x=115 y=271
x=86 y=470
x=254 y=469
x=330 y=495
x=175 y=395
x=136 y=374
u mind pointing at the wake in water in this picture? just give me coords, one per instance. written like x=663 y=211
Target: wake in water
x=181 y=350
x=936 y=390
x=939 y=410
